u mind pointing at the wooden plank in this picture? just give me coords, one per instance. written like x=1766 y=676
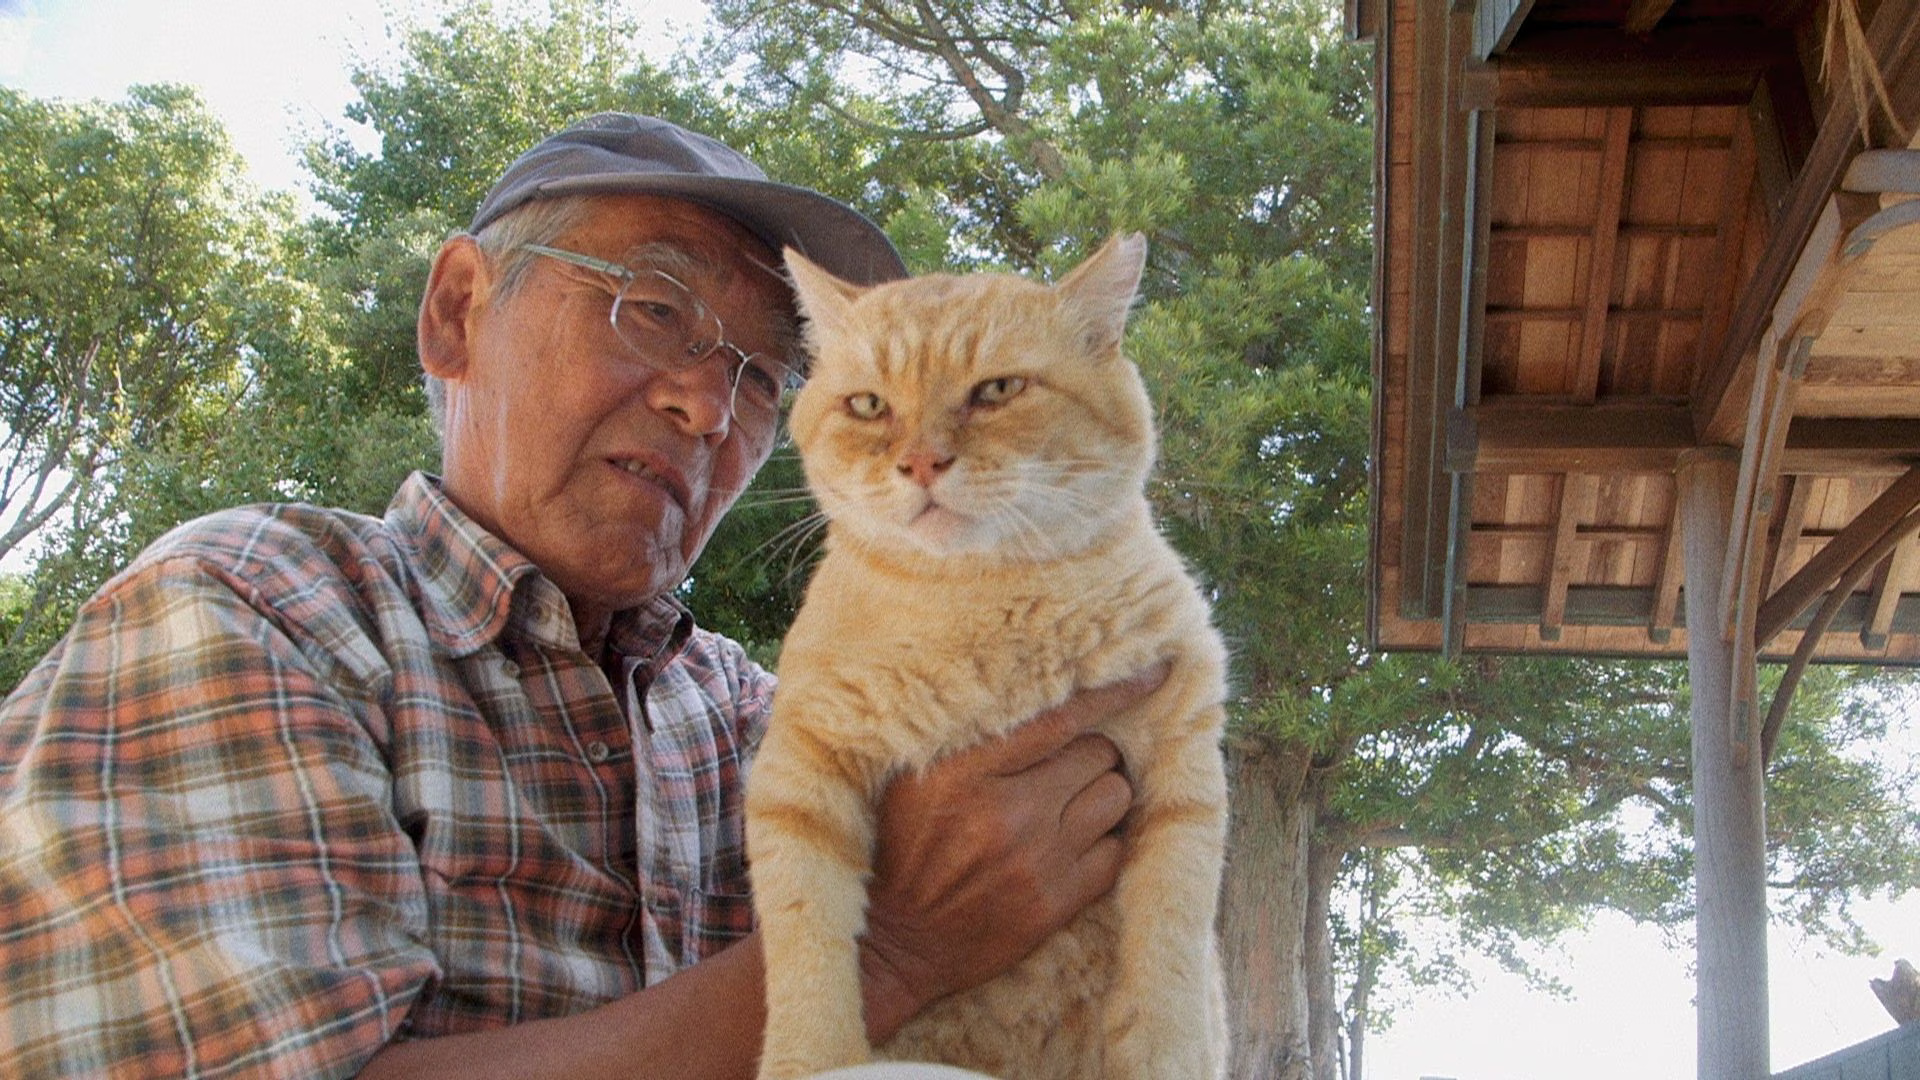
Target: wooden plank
x=1735 y=203
x=1644 y=231
x=1793 y=598
x=1482 y=130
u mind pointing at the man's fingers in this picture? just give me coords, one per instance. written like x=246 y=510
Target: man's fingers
x=1096 y=872
x=1096 y=810
x=1046 y=734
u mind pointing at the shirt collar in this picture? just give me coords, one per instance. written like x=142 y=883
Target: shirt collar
x=469 y=581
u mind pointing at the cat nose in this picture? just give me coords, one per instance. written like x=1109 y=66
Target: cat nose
x=925 y=466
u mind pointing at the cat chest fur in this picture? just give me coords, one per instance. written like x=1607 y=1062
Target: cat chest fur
x=959 y=658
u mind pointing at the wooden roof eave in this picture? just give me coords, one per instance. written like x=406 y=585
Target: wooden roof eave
x=1894 y=40
x=1467 y=439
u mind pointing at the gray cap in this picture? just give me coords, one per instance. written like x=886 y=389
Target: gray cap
x=620 y=153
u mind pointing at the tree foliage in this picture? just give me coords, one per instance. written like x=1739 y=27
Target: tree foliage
x=143 y=297
x=125 y=257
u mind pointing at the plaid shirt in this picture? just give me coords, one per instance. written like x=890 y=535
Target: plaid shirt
x=300 y=782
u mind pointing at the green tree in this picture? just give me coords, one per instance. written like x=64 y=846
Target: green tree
x=134 y=262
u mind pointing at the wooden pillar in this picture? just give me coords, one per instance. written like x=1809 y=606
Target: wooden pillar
x=1728 y=803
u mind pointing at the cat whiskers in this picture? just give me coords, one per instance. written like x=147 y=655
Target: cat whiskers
x=797 y=540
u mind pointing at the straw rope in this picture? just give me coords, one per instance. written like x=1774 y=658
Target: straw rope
x=1864 y=81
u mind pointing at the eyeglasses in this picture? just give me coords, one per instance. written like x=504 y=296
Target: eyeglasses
x=666 y=327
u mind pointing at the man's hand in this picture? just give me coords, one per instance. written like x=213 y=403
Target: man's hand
x=989 y=852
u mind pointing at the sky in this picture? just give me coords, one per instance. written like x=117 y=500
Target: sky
x=275 y=72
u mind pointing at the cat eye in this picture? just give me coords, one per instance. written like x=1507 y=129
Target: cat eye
x=998 y=391
x=866 y=406
x=667 y=327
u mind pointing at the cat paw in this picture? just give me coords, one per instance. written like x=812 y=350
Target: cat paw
x=1137 y=1052
x=799 y=1067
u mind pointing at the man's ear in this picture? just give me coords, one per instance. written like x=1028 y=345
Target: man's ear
x=454 y=287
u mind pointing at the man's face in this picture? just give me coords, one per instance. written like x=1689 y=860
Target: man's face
x=609 y=476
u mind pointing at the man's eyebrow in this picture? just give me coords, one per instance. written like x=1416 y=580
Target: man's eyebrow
x=674 y=258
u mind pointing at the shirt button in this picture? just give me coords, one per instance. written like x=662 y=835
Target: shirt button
x=510 y=669
x=597 y=752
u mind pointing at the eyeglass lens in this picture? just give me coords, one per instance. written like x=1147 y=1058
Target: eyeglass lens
x=669 y=328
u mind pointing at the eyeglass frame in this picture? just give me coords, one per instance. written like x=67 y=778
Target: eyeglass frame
x=627 y=275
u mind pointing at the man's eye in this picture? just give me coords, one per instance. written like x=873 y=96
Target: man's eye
x=762 y=378
x=658 y=316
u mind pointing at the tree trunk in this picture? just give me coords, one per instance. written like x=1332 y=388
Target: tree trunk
x=1264 y=912
x=1366 y=972
x=1323 y=872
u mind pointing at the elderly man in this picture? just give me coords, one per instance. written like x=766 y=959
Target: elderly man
x=457 y=791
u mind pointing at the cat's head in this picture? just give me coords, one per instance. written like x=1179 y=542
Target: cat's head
x=980 y=414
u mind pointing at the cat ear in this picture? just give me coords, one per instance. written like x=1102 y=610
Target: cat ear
x=825 y=301
x=1100 y=291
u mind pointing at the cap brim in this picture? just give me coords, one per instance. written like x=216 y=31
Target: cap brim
x=827 y=231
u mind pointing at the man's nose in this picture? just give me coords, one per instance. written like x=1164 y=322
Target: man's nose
x=699 y=397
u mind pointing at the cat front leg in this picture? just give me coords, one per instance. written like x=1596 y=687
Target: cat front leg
x=810 y=841
x=1165 y=1018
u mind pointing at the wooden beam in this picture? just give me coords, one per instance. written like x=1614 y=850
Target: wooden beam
x=1576 y=503
x=1495 y=22
x=1841 y=446
x=1519 y=435
x=1769 y=413
x=1894 y=577
x=1585 y=68
x=1626 y=232
x=1630 y=606
x=1792 y=523
x=1793 y=598
x=1483 y=129
x=1430 y=340
x=1583 y=315
x=1644 y=15
x=1666 y=589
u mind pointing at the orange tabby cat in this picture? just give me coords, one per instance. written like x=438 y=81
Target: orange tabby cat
x=979 y=446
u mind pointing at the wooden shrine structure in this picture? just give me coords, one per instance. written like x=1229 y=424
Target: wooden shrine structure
x=1647 y=368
